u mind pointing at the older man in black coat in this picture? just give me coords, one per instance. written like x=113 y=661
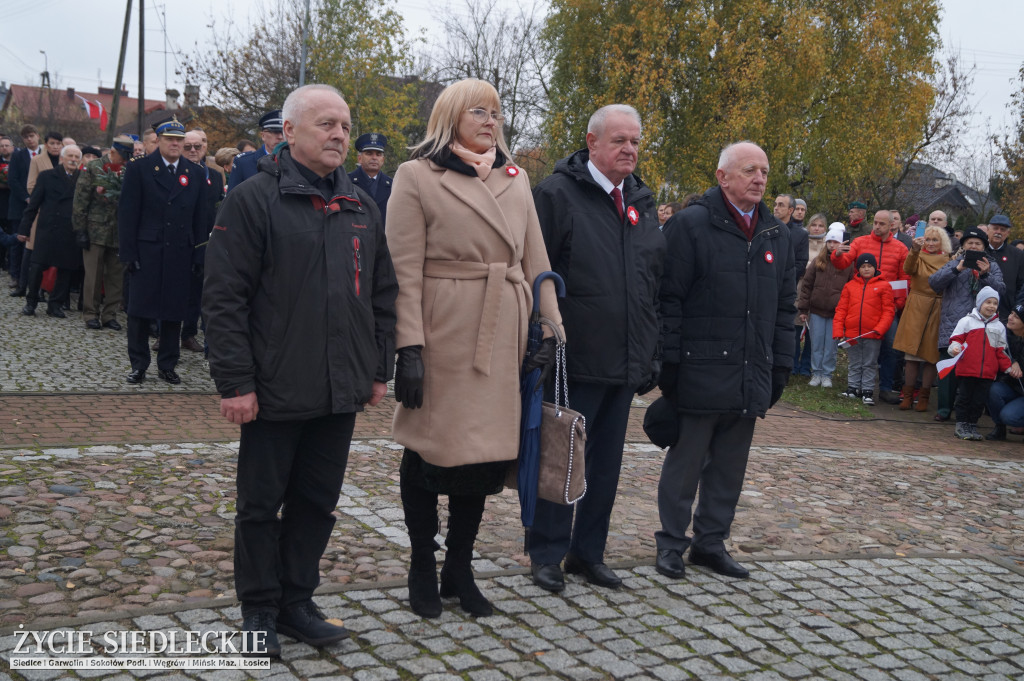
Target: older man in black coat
x=727 y=303
x=52 y=200
x=160 y=229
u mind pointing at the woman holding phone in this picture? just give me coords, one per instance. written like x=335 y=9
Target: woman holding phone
x=918 y=332
x=958 y=282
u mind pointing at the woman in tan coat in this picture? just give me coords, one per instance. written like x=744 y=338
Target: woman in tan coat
x=466 y=245
x=918 y=332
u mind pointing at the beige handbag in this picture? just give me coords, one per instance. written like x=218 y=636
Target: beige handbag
x=563 y=439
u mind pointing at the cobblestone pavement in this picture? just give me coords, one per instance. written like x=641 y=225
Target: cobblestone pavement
x=879 y=550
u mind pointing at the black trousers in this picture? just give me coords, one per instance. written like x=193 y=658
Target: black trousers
x=295 y=467
x=190 y=327
x=971 y=398
x=138 y=344
x=711 y=454
x=555 y=531
x=61 y=288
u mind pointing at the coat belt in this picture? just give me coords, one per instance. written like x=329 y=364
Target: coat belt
x=496 y=273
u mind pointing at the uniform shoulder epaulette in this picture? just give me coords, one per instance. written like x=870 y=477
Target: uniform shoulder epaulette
x=242 y=155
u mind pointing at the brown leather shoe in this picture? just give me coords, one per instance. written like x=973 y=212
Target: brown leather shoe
x=192 y=344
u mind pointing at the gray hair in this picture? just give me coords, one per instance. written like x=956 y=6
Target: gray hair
x=725 y=158
x=801 y=202
x=295 y=103
x=597 y=120
x=70 y=146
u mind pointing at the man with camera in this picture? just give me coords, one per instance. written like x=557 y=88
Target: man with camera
x=889 y=254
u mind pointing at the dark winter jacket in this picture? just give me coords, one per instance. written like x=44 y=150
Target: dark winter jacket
x=299 y=295
x=801 y=247
x=958 y=291
x=865 y=309
x=1011 y=265
x=53 y=200
x=819 y=290
x=727 y=307
x=611 y=267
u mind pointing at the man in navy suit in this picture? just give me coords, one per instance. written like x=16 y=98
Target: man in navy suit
x=161 y=234
x=368 y=175
x=17 y=180
x=245 y=164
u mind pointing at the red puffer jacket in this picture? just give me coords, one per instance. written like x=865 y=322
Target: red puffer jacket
x=889 y=254
x=864 y=307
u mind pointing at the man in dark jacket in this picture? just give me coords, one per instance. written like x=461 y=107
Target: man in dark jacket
x=601 y=231
x=17 y=180
x=1009 y=259
x=369 y=174
x=160 y=234
x=727 y=301
x=52 y=201
x=299 y=301
x=245 y=165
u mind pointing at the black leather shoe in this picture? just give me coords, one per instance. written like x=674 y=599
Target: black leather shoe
x=112 y=324
x=169 y=376
x=598 y=574
x=136 y=377
x=93 y=324
x=29 y=310
x=17 y=293
x=997 y=433
x=548 y=576
x=720 y=562
x=305 y=622
x=670 y=563
x=55 y=312
x=889 y=396
x=259 y=634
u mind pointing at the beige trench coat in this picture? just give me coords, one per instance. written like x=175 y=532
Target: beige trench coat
x=466 y=253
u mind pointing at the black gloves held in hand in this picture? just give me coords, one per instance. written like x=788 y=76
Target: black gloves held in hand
x=543 y=359
x=133 y=266
x=409 y=376
x=652 y=382
x=667 y=379
x=780 y=378
x=82 y=239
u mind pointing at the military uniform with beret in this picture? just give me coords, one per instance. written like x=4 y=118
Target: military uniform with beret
x=864 y=226
x=160 y=225
x=378 y=188
x=245 y=164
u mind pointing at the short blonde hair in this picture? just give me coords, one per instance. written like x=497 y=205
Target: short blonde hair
x=224 y=156
x=947 y=246
x=449 y=107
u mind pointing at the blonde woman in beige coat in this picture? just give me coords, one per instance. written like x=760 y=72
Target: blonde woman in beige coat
x=466 y=246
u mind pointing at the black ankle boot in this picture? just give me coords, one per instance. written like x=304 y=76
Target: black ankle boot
x=997 y=433
x=420 y=508
x=457 y=572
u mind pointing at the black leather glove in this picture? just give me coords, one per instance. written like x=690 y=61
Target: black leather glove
x=409 y=376
x=82 y=239
x=543 y=359
x=197 y=270
x=652 y=379
x=667 y=379
x=133 y=266
x=780 y=378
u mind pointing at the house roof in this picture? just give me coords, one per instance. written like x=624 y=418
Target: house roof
x=38 y=103
x=927 y=188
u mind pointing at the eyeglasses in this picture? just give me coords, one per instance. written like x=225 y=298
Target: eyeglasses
x=481 y=116
x=190 y=147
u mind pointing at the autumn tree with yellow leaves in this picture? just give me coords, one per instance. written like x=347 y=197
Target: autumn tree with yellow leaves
x=835 y=92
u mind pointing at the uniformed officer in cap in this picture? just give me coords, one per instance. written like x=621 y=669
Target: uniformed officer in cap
x=160 y=229
x=368 y=175
x=271 y=126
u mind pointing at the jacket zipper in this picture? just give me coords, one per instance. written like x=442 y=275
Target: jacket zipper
x=860 y=315
x=357 y=260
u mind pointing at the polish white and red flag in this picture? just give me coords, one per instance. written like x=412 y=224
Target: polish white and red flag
x=95 y=110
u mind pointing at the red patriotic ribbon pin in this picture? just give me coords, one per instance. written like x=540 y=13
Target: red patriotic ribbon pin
x=633 y=215
x=768 y=257
x=512 y=171
x=183 y=180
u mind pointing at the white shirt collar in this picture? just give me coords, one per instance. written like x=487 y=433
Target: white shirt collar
x=748 y=213
x=599 y=177
x=173 y=164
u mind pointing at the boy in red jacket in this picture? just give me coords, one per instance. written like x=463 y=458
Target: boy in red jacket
x=865 y=312
x=981 y=338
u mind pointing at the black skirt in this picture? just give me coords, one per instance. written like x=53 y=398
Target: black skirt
x=472 y=479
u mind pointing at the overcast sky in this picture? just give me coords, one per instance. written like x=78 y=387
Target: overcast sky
x=985 y=31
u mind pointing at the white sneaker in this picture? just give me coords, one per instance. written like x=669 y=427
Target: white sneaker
x=815 y=380
x=826 y=382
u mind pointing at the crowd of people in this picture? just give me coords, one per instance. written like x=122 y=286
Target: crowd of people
x=317 y=286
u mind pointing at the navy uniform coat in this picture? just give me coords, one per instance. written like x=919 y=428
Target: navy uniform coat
x=161 y=222
x=379 y=191
x=245 y=166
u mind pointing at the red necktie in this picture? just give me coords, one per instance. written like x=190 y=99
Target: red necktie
x=617 y=197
